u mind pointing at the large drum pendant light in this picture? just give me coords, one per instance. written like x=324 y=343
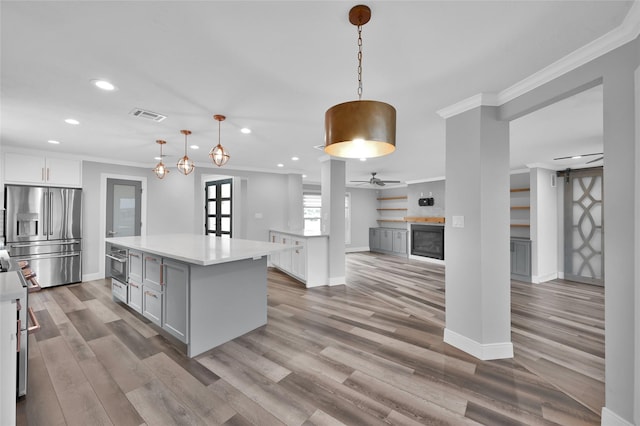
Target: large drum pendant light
x=360 y=129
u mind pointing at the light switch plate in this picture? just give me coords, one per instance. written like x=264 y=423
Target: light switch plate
x=457 y=222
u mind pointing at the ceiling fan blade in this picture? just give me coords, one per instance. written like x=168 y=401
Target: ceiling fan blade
x=596 y=160
x=575 y=157
x=390 y=181
x=359 y=181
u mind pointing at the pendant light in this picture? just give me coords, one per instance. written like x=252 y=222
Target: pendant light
x=360 y=129
x=185 y=165
x=218 y=154
x=160 y=170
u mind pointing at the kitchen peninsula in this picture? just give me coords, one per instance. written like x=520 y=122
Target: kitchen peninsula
x=203 y=290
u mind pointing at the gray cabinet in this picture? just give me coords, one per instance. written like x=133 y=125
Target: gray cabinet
x=176 y=288
x=374 y=239
x=119 y=290
x=388 y=240
x=400 y=241
x=152 y=270
x=521 y=259
x=135 y=266
x=135 y=296
x=152 y=304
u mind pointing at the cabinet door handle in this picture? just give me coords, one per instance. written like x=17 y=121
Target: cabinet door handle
x=47 y=174
x=133 y=285
x=152 y=259
x=36 y=325
x=18 y=335
x=148 y=293
x=117 y=285
x=273 y=238
x=162 y=274
x=134 y=255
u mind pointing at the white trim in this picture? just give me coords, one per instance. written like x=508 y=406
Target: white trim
x=434 y=179
x=93 y=277
x=337 y=280
x=483 y=352
x=537 y=279
x=103 y=214
x=427 y=259
x=560 y=275
x=481 y=99
x=356 y=249
x=609 y=418
x=624 y=33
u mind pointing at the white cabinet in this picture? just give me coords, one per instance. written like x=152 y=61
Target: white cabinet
x=307 y=261
x=8 y=358
x=119 y=290
x=135 y=266
x=30 y=169
x=176 y=289
x=152 y=304
x=135 y=296
x=152 y=270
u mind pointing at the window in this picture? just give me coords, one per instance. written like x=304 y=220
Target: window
x=218 y=208
x=312 y=205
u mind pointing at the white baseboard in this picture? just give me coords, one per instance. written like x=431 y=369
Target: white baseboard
x=537 y=279
x=92 y=277
x=356 y=249
x=484 y=352
x=561 y=275
x=609 y=418
x=337 y=280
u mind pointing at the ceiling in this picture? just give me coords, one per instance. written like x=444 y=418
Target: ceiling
x=276 y=67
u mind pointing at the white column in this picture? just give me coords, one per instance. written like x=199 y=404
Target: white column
x=333 y=222
x=544 y=225
x=478 y=299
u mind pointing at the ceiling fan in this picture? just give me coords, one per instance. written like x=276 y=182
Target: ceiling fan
x=375 y=181
x=576 y=157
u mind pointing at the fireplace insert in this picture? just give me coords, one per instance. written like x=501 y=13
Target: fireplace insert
x=427 y=241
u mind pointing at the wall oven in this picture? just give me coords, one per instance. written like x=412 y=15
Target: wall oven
x=117 y=263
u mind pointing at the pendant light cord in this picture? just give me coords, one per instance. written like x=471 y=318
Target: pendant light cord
x=359 y=62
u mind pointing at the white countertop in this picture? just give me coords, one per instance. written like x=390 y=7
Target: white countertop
x=10 y=286
x=305 y=234
x=199 y=249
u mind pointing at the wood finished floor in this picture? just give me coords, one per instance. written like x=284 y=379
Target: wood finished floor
x=367 y=353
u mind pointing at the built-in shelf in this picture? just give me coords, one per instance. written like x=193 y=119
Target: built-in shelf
x=519 y=189
x=405 y=209
x=520 y=207
x=391 y=220
x=401 y=197
x=520 y=225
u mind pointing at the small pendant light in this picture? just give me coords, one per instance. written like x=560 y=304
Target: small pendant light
x=360 y=129
x=185 y=165
x=161 y=170
x=219 y=154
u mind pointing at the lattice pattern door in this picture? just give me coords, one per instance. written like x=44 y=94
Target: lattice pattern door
x=584 y=227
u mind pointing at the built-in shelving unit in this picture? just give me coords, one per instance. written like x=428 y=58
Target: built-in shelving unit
x=392 y=209
x=520 y=208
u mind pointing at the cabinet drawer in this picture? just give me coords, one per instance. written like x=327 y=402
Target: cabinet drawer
x=135 y=296
x=152 y=305
x=119 y=290
x=152 y=270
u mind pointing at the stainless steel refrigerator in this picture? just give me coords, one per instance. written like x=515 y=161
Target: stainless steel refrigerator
x=43 y=225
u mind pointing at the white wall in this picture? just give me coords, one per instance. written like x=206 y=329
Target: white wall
x=415 y=191
x=544 y=225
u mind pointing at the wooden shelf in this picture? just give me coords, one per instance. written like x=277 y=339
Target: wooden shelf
x=426 y=219
x=520 y=225
x=391 y=220
x=392 y=209
x=519 y=189
x=401 y=197
x=520 y=207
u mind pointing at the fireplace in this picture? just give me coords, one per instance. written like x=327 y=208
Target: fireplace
x=427 y=241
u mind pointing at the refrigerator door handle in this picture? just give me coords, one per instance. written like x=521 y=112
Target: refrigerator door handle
x=50 y=208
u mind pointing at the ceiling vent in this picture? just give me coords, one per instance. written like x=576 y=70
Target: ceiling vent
x=147 y=115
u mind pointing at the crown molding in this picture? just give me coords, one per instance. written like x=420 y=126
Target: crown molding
x=433 y=179
x=481 y=99
x=627 y=31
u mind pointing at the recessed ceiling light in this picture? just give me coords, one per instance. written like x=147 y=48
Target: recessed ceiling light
x=104 y=85
x=53 y=142
x=294 y=158
x=280 y=165
x=157 y=158
x=72 y=121
x=245 y=130
x=304 y=176
x=363 y=159
x=194 y=147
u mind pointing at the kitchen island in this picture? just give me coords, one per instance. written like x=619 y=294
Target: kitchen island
x=203 y=290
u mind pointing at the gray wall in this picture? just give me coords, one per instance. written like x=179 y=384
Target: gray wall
x=433 y=189
x=615 y=71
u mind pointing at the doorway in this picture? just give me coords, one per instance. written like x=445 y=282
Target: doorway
x=123 y=208
x=218 y=208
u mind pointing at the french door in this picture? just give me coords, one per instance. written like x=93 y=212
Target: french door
x=584 y=226
x=123 y=216
x=218 y=208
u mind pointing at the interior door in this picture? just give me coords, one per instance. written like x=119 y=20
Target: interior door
x=584 y=226
x=218 y=208
x=123 y=208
